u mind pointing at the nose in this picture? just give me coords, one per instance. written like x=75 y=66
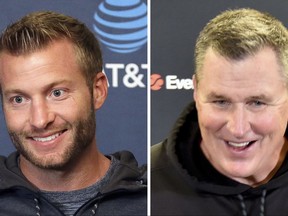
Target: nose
x=40 y=116
x=238 y=122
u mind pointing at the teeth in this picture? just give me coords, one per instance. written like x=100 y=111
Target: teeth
x=45 y=139
x=243 y=144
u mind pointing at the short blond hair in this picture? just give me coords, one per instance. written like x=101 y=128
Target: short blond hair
x=37 y=30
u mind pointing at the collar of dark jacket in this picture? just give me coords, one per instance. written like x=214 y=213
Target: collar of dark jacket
x=127 y=176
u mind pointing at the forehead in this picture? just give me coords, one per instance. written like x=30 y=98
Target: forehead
x=262 y=65
x=56 y=61
x=257 y=73
x=57 y=53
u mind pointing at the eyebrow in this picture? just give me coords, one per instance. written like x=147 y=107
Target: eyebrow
x=260 y=97
x=216 y=96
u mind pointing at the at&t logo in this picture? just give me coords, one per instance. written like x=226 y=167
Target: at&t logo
x=121 y=25
x=128 y=75
x=171 y=82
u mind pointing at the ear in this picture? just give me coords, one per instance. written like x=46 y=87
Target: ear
x=195 y=88
x=100 y=90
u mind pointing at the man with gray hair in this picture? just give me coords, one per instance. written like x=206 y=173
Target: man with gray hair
x=52 y=83
x=227 y=152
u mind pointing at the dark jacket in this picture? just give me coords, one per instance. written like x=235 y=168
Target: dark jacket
x=125 y=193
x=183 y=182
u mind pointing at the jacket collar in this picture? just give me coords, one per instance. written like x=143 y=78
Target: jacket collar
x=127 y=175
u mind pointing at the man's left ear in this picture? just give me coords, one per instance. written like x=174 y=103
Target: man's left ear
x=194 y=87
x=100 y=89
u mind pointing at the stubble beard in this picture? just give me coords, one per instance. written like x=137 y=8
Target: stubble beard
x=83 y=134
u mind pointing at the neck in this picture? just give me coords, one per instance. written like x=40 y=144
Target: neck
x=84 y=171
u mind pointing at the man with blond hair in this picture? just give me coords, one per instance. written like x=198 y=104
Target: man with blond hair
x=52 y=84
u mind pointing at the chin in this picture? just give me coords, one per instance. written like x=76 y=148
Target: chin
x=51 y=161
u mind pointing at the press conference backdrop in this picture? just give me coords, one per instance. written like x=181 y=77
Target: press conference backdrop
x=175 y=26
x=121 y=27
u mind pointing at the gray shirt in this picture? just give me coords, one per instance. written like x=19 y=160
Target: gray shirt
x=70 y=201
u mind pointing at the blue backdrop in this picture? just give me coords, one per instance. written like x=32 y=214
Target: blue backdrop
x=121 y=27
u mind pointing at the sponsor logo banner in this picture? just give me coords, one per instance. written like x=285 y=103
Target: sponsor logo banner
x=170 y=82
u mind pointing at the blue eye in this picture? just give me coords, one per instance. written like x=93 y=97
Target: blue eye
x=18 y=99
x=57 y=93
x=257 y=103
x=221 y=102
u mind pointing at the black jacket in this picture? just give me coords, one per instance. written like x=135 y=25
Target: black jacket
x=125 y=193
x=183 y=182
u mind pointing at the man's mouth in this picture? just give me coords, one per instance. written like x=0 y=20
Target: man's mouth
x=47 y=138
x=240 y=145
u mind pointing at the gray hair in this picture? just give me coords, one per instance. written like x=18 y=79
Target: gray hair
x=235 y=34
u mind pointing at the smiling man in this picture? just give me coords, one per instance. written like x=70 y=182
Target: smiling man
x=51 y=85
x=227 y=152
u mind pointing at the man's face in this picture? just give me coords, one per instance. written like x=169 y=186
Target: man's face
x=48 y=107
x=243 y=111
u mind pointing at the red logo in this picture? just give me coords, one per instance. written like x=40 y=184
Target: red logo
x=156 y=82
